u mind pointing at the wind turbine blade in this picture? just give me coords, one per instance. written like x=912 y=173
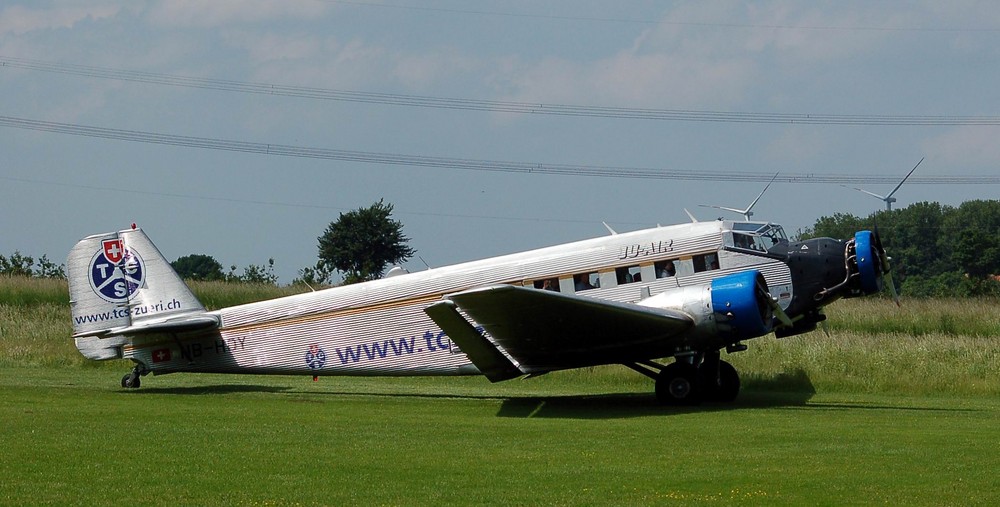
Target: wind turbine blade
x=904 y=178
x=760 y=195
x=693 y=219
x=734 y=210
x=882 y=197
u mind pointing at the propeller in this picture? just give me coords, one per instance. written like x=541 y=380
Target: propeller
x=765 y=295
x=885 y=268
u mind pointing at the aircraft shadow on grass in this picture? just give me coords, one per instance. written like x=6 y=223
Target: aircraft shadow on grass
x=219 y=389
x=782 y=390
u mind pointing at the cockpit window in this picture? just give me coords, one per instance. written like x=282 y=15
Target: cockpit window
x=757 y=236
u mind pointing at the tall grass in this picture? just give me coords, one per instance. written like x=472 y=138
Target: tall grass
x=925 y=347
x=916 y=317
x=215 y=295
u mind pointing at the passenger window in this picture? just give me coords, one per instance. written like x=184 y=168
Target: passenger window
x=547 y=284
x=706 y=262
x=628 y=274
x=665 y=269
x=586 y=281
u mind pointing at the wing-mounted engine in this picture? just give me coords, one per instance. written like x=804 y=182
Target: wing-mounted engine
x=729 y=309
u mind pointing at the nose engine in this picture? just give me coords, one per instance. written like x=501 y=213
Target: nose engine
x=825 y=269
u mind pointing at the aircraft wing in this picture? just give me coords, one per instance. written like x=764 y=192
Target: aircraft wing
x=532 y=330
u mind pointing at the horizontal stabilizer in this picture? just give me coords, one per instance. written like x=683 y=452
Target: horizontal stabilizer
x=491 y=362
x=173 y=324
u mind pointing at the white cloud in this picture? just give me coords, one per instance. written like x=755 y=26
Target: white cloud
x=797 y=145
x=270 y=46
x=19 y=20
x=966 y=147
x=214 y=13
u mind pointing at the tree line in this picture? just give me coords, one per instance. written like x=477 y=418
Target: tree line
x=358 y=246
x=936 y=250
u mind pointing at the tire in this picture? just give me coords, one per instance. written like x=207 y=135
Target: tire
x=129 y=383
x=679 y=384
x=723 y=388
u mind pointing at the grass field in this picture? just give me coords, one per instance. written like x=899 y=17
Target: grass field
x=892 y=407
x=70 y=437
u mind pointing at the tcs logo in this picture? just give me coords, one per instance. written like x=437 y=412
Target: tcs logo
x=116 y=272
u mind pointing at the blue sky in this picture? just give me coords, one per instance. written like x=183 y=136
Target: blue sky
x=893 y=59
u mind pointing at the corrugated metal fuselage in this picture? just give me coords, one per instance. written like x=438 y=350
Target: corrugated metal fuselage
x=380 y=328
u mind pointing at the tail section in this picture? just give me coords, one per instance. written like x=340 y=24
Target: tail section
x=120 y=284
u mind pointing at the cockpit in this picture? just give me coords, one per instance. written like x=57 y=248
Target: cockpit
x=754 y=236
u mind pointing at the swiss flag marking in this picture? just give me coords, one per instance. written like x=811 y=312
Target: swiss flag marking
x=161 y=355
x=114 y=250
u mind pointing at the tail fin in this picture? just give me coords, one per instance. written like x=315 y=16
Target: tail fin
x=119 y=283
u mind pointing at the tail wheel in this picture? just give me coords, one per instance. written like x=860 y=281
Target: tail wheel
x=131 y=381
x=679 y=384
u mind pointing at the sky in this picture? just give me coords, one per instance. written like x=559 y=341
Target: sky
x=242 y=129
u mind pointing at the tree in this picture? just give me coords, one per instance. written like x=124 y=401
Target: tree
x=198 y=267
x=254 y=273
x=319 y=275
x=16 y=265
x=22 y=265
x=936 y=250
x=361 y=243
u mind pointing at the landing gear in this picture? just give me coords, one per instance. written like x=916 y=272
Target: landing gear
x=720 y=382
x=679 y=384
x=132 y=380
x=684 y=383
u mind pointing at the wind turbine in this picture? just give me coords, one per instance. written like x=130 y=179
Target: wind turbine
x=889 y=199
x=745 y=212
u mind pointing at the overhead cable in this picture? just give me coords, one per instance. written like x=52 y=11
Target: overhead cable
x=397 y=159
x=497 y=106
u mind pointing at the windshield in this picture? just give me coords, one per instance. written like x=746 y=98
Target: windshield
x=757 y=236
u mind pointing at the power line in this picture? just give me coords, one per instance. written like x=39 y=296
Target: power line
x=217 y=198
x=666 y=22
x=496 y=106
x=369 y=157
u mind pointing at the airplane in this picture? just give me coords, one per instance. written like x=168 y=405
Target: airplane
x=888 y=198
x=685 y=292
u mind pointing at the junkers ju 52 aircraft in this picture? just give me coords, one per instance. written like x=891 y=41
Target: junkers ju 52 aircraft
x=685 y=292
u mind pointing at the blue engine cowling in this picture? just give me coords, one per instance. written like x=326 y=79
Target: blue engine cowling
x=868 y=262
x=724 y=311
x=738 y=302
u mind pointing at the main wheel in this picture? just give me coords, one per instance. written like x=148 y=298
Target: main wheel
x=723 y=387
x=679 y=384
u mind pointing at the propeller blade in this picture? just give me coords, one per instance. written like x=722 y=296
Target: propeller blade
x=772 y=303
x=892 y=288
x=884 y=266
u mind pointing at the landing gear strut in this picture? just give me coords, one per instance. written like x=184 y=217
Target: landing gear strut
x=132 y=380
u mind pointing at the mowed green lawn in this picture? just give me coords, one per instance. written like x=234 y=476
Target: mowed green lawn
x=72 y=436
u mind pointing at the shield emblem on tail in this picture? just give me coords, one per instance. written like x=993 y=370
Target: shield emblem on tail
x=114 y=250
